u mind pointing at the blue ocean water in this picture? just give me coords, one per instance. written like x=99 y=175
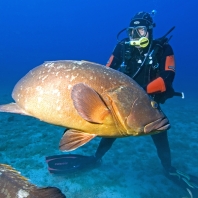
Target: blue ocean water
x=32 y=32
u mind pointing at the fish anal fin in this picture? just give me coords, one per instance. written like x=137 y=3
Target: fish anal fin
x=12 y=108
x=73 y=139
x=89 y=104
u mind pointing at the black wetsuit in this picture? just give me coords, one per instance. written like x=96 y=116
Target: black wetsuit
x=148 y=72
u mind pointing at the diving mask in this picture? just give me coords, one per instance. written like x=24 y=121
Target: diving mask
x=138 y=36
x=137 y=32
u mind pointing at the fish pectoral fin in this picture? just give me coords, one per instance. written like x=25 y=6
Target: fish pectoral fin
x=72 y=139
x=12 y=108
x=89 y=104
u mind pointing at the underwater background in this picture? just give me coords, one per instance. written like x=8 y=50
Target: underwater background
x=32 y=32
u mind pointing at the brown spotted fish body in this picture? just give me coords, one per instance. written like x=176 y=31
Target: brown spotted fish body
x=13 y=185
x=87 y=98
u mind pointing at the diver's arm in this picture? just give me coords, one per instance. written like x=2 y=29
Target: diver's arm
x=115 y=59
x=166 y=74
x=161 y=83
x=113 y=62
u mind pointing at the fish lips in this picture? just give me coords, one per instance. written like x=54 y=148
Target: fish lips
x=161 y=124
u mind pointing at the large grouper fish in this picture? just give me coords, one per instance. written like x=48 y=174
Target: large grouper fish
x=88 y=99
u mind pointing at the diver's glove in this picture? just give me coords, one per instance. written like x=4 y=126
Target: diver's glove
x=162 y=97
x=187 y=182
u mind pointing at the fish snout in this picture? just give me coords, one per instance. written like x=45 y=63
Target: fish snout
x=161 y=124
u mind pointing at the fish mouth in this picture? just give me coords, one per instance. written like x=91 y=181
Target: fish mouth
x=161 y=124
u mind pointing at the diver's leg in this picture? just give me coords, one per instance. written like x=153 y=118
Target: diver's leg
x=104 y=146
x=185 y=181
x=163 y=150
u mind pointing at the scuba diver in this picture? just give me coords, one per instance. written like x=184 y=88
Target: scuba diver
x=151 y=64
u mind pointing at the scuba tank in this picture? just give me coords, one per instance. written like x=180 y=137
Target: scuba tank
x=160 y=42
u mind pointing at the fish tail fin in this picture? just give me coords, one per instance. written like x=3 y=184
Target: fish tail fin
x=12 y=108
x=48 y=192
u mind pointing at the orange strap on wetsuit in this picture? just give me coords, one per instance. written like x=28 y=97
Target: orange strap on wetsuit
x=110 y=61
x=159 y=85
x=170 y=63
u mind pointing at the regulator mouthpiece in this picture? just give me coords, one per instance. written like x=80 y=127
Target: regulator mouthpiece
x=142 y=42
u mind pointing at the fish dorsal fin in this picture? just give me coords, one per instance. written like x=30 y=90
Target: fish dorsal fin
x=10 y=173
x=88 y=103
x=50 y=192
x=72 y=139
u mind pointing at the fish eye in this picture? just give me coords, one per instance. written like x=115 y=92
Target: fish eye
x=154 y=104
